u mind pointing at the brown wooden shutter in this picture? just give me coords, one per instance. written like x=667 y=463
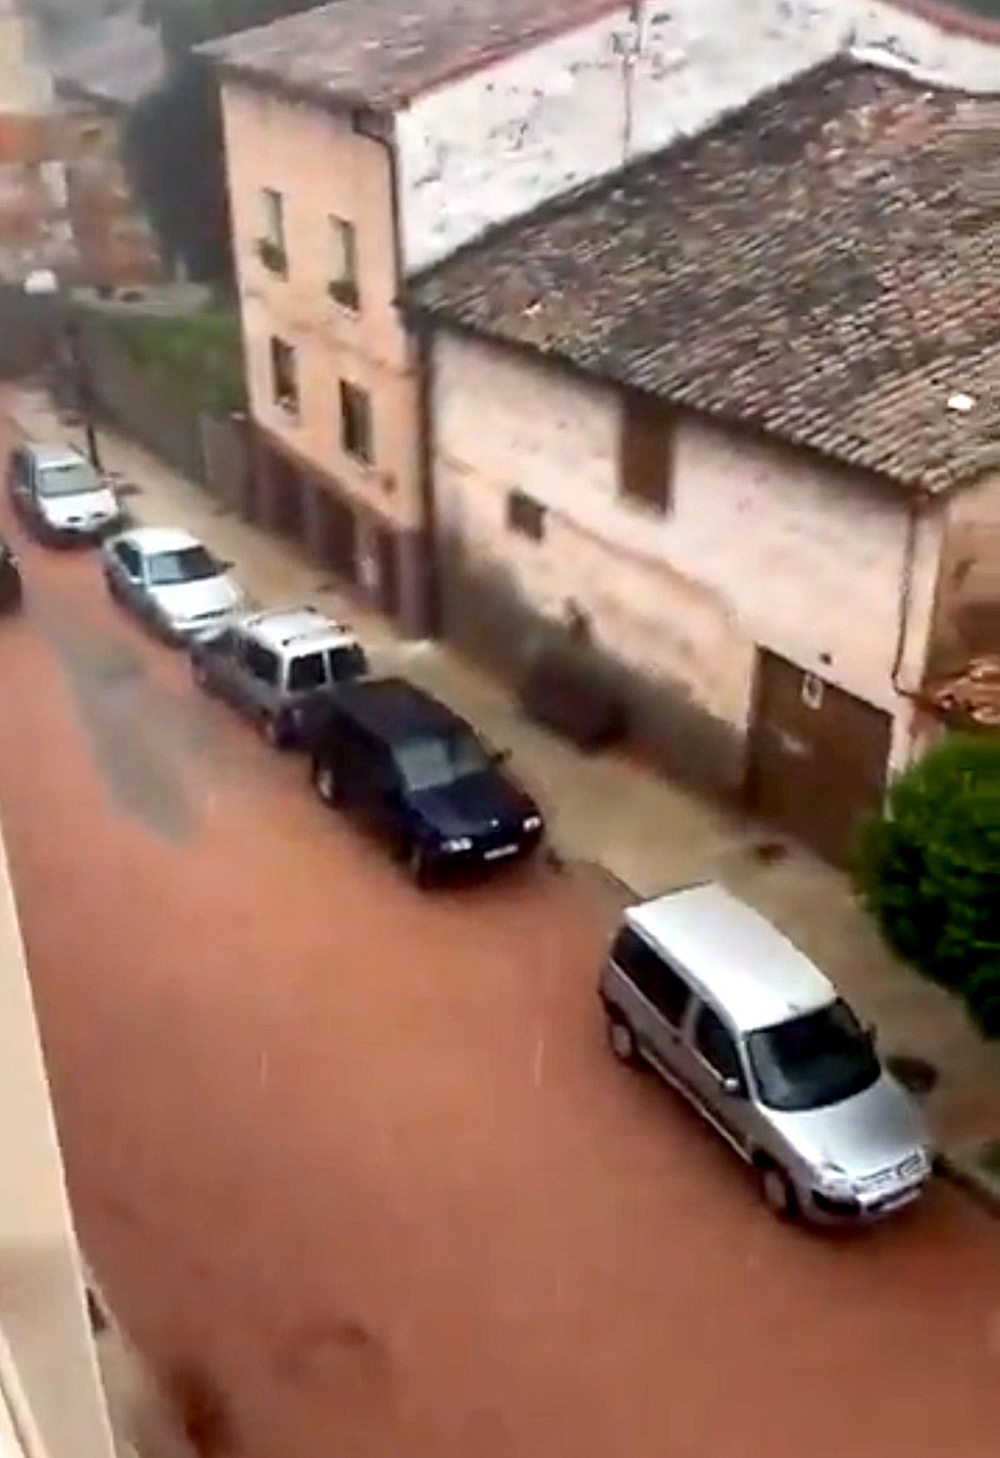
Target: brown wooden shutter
x=646 y=463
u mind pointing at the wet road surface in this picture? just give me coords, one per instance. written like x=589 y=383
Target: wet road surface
x=359 y=1155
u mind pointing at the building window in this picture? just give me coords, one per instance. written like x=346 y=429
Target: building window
x=525 y=516
x=344 y=270
x=271 y=244
x=646 y=454
x=284 y=376
x=356 y=435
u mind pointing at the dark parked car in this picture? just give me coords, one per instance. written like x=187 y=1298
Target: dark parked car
x=10 y=579
x=279 y=668
x=416 y=774
x=59 y=495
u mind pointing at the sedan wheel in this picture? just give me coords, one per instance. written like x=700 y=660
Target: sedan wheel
x=326 y=783
x=777 y=1191
x=419 y=866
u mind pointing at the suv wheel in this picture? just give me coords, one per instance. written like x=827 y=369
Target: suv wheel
x=274 y=730
x=621 y=1040
x=325 y=781
x=777 y=1191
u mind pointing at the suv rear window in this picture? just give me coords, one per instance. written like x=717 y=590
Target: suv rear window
x=308 y=671
x=347 y=662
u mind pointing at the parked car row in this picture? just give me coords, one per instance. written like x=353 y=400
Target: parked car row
x=696 y=985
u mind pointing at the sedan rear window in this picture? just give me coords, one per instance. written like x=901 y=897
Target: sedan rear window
x=187 y=564
x=68 y=478
x=812 y=1061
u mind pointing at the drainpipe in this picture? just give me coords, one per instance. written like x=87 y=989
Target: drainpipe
x=382 y=132
x=914 y=519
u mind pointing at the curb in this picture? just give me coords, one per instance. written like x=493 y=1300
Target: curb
x=985 y=1192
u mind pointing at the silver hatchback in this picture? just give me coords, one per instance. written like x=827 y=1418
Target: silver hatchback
x=725 y=1008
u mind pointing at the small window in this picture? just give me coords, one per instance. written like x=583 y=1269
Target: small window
x=271 y=244
x=356 y=423
x=285 y=376
x=665 y=989
x=344 y=264
x=713 y=1040
x=306 y=672
x=526 y=516
x=646 y=459
x=261 y=663
x=348 y=663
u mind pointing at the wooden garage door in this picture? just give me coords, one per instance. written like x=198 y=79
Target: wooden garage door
x=818 y=757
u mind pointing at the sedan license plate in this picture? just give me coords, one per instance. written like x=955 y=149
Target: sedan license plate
x=501 y=853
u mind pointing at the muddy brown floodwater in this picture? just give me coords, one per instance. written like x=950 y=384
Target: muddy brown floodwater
x=353 y=1163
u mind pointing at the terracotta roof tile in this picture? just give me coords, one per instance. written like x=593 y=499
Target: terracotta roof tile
x=381 y=53
x=822 y=265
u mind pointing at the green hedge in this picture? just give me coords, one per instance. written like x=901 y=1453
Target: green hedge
x=196 y=357
x=929 y=870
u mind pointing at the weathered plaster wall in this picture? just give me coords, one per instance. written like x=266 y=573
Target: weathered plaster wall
x=494 y=144
x=968 y=603
x=762 y=545
x=322 y=167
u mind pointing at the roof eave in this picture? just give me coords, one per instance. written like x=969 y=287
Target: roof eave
x=920 y=487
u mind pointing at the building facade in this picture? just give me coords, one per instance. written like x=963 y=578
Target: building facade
x=360 y=153
x=692 y=409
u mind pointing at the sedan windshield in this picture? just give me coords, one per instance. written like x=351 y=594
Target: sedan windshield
x=187 y=564
x=69 y=478
x=812 y=1061
x=430 y=764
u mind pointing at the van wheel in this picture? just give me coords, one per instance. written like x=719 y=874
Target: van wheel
x=325 y=781
x=777 y=1191
x=621 y=1040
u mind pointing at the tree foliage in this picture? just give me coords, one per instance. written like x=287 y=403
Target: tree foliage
x=929 y=870
x=175 y=142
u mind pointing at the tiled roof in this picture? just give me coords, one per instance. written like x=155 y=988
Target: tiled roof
x=381 y=53
x=122 y=62
x=823 y=265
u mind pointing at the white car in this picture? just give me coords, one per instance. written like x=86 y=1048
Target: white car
x=61 y=496
x=173 y=582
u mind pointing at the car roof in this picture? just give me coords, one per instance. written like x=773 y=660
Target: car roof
x=303 y=627
x=153 y=539
x=733 y=954
x=393 y=709
x=55 y=455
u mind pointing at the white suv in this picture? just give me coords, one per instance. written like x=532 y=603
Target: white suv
x=280 y=668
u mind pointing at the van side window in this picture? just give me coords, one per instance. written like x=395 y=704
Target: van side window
x=261 y=662
x=665 y=989
x=714 y=1042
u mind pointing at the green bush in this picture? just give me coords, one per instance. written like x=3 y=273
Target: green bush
x=196 y=357
x=929 y=870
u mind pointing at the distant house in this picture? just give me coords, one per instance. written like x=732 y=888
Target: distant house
x=367 y=140
x=737 y=408
x=98 y=84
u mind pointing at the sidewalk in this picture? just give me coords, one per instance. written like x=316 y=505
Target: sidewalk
x=606 y=812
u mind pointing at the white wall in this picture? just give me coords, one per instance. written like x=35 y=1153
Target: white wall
x=43 y=1313
x=493 y=145
x=762 y=545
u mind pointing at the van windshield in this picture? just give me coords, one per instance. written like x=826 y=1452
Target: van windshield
x=430 y=764
x=812 y=1061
